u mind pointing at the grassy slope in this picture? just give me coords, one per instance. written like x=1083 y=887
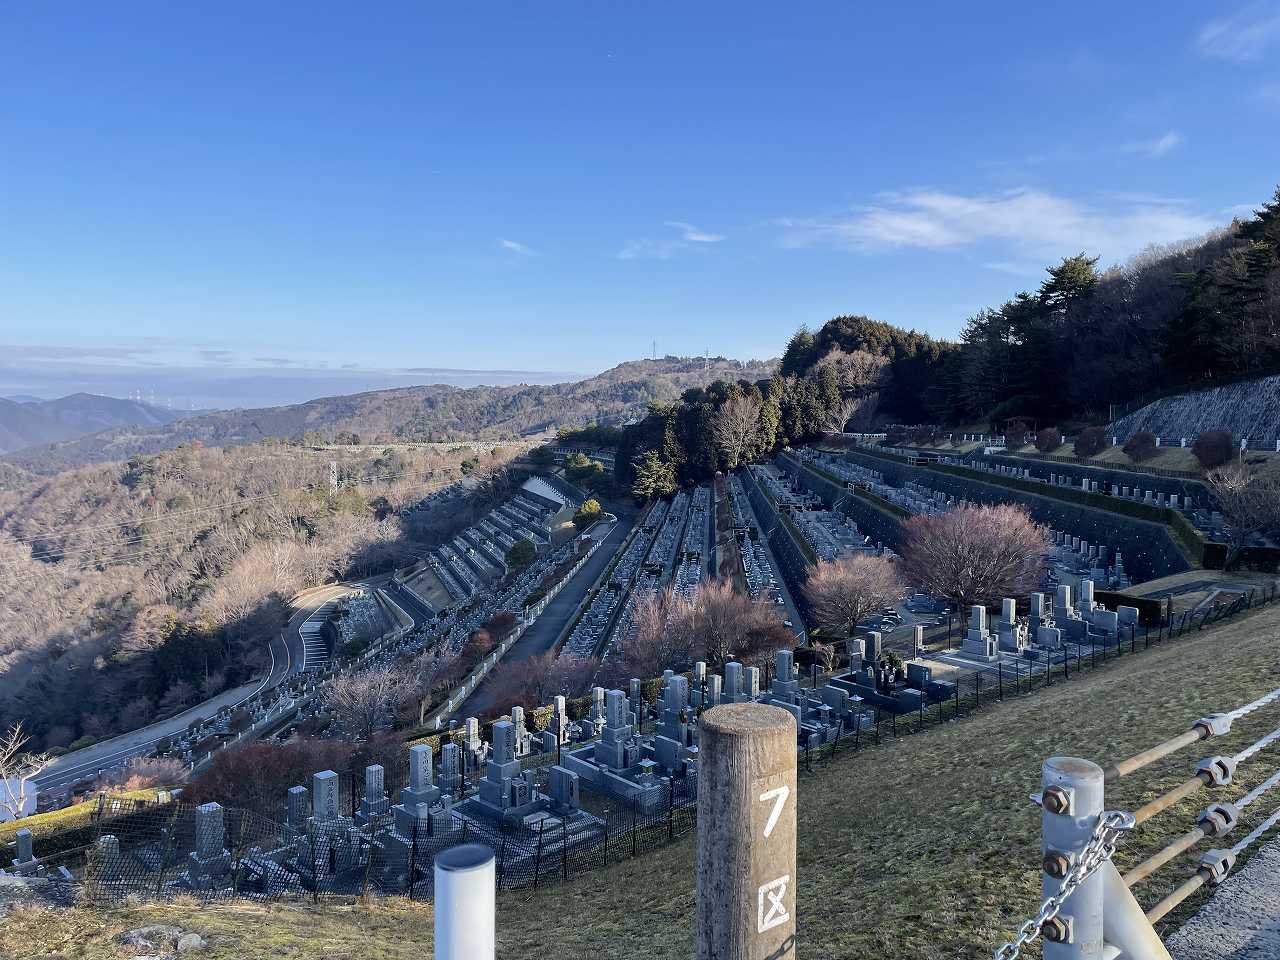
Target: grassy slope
x=42 y=823
x=924 y=849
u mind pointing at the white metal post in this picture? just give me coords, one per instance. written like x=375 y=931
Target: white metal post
x=1072 y=798
x=465 y=910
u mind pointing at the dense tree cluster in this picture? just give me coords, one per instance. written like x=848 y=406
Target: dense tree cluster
x=1188 y=315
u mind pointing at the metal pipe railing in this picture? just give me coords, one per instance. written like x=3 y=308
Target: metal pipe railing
x=1180 y=893
x=1157 y=860
x=1123 y=768
x=1167 y=800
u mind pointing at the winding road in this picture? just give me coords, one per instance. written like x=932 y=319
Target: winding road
x=287 y=658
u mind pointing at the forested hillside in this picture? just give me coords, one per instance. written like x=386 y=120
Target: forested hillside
x=426 y=413
x=133 y=589
x=1201 y=313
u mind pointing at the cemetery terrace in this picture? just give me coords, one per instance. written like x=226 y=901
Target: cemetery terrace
x=937 y=826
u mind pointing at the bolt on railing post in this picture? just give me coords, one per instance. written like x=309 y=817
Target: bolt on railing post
x=465 y=911
x=1072 y=801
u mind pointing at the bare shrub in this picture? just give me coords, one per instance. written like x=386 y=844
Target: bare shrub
x=1214 y=448
x=974 y=554
x=845 y=591
x=1141 y=446
x=1090 y=442
x=142 y=773
x=1048 y=440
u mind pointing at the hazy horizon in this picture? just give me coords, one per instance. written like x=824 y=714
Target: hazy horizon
x=227 y=388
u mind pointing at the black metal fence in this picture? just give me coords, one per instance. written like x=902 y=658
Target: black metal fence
x=123 y=848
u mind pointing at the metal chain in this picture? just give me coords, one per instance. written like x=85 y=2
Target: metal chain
x=1100 y=848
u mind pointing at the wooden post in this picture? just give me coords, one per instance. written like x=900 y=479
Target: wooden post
x=746 y=833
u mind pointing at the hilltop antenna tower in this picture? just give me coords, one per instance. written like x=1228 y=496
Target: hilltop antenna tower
x=655 y=349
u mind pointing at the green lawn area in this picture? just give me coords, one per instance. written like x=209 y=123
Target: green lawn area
x=922 y=848
x=42 y=823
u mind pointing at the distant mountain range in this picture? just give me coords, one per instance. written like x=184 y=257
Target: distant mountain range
x=28 y=421
x=424 y=413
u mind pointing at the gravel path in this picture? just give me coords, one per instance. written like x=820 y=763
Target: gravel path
x=1239 y=922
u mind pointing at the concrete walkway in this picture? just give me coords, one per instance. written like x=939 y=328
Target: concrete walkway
x=1241 y=921
x=547 y=628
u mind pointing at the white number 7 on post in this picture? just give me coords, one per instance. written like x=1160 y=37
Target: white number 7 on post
x=779 y=797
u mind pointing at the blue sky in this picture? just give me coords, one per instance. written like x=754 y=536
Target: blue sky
x=294 y=189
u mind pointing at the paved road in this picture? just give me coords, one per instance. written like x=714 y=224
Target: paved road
x=114 y=752
x=546 y=629
x=286 y=659
x=306 y=607
x=1241 y=921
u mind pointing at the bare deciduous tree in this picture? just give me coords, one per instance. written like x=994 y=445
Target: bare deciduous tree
x=1250 y=505
x=655 y=642
x=974 y=554
x=735 y=426
x=843 y=592
x=718 y=625
x=426 y=671
x=17 y=770
x=857 y=372
x=825 y=654
x=362 y=700
x=536 y=681
x=837 y=417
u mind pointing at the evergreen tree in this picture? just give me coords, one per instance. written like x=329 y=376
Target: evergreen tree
x=654 y=477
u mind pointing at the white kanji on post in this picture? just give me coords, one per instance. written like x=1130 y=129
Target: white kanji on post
x=771 y=909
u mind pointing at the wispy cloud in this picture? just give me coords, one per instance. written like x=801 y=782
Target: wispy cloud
x=691 y=234
x=1014 y=269
x=512 y=246
x=648 y=249
x=1026 y=222
x=1154 y=148
x=1242 y=36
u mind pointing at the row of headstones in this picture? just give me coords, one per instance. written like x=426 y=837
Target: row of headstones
x=588 y=632
x=1154 y=498
x=1093 y=558
x=1045 y=626
x=426 y=805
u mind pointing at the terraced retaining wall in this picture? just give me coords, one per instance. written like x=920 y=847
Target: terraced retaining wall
x=1149 y=549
